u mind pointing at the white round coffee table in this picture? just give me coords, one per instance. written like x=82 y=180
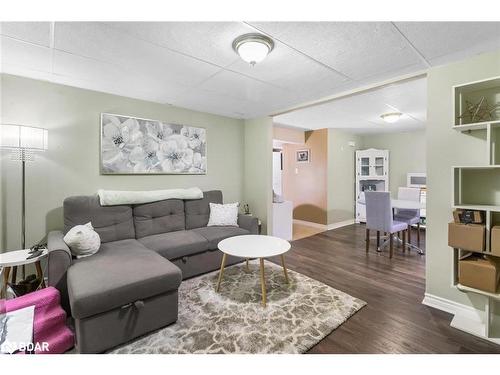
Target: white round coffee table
x=254 y=246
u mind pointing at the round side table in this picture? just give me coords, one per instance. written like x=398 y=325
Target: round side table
x=12 y=259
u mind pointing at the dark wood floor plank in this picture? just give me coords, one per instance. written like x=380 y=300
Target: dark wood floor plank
x=394 y=320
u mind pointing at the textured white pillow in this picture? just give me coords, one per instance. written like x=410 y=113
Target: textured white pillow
x=223 y=214
x=83 y=240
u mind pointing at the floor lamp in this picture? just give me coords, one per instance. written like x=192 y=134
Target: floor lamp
x=23 y=141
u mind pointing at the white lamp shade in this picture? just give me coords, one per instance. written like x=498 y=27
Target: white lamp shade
x=253 y=51
x=25 y=137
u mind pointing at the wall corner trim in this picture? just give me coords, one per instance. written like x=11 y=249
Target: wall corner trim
x=451 y=307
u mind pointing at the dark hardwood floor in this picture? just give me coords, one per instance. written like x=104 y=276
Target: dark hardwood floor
x=394 y=320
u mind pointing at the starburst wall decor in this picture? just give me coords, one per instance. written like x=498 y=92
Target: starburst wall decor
x=131 y=145
x=480 y=111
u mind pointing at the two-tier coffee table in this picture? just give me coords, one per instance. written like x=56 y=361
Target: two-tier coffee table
x=254 y=246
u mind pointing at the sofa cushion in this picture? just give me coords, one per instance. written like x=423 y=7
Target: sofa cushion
x=176 y=244
x=159 y=217
x=198 y=210
x=120 y=273
x=216 y=234
x=112 y=223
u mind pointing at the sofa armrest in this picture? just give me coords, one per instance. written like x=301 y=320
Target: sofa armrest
x=249 y=223
x=59 y=260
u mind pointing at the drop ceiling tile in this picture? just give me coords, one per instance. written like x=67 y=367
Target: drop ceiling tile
x=361 y=112
x=105 y=87
x=244 y=88
x=435 y=39
x=291 y=70
x=156 y=89
x=25 y=55
x=208 y=41
x=117 y=80
x=208 y=101
x=137 y=60
x=68 y=64
x=404 y=121
x=364 y=106
x=33 y=32
x=409 y=98
x=356 y=49
x=98 y=41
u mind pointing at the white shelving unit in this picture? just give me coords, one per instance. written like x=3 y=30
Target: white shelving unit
x=372 y=173
x=484 y=196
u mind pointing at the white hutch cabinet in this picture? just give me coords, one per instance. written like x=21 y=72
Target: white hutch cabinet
x=372 y=174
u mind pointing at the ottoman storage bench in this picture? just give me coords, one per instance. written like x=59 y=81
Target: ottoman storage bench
x=113 y=305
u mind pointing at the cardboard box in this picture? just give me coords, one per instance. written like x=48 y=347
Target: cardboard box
x=480 y=272
x=467 y=236
x=477 y=216
x=495 y=240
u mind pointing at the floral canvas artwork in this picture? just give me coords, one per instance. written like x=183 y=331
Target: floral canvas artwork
x=133 y=145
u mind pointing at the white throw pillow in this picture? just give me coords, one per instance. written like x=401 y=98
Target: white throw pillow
x=83 y=240
x=223 y=214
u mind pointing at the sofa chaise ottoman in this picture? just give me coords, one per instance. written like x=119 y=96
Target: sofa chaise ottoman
x=129 y=287
x=120 y=293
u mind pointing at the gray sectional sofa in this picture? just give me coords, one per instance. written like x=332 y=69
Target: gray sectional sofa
x=129 y=287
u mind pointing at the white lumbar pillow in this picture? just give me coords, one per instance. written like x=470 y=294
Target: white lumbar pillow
x=223 y=214
x=83 y=240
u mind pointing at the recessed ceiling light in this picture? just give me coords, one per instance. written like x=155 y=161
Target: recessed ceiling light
x=253 y=48
x=391 y=117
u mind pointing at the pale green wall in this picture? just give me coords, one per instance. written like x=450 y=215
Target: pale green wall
x=341 y=175
x=406 y=154
x=258 y=175
x=445 y=148
x=71 y=165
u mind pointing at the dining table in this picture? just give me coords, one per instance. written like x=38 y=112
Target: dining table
x=401 y=204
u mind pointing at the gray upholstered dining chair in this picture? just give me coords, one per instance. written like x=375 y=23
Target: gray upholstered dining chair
x=410 y=217
x=379 y=218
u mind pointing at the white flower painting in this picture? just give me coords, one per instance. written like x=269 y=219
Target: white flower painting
x=132 y=145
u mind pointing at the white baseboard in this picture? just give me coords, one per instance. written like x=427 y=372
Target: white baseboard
x=323 y=226
x=340 y=224
x=466 y=318
x=451 y=307
x=310 y=224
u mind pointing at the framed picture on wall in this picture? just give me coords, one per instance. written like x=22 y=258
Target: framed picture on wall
x=133 y=145
x=303 y=156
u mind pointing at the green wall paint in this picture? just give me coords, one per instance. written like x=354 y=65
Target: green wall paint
x=71 y=165
x=341 y=175
x=406 y=154
x=446 y=148
x=258 y=176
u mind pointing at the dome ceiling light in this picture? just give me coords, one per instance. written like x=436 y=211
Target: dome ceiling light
x=253 y=48
x=392 y=117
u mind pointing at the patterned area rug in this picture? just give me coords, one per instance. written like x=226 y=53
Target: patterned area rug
x=298 y=315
